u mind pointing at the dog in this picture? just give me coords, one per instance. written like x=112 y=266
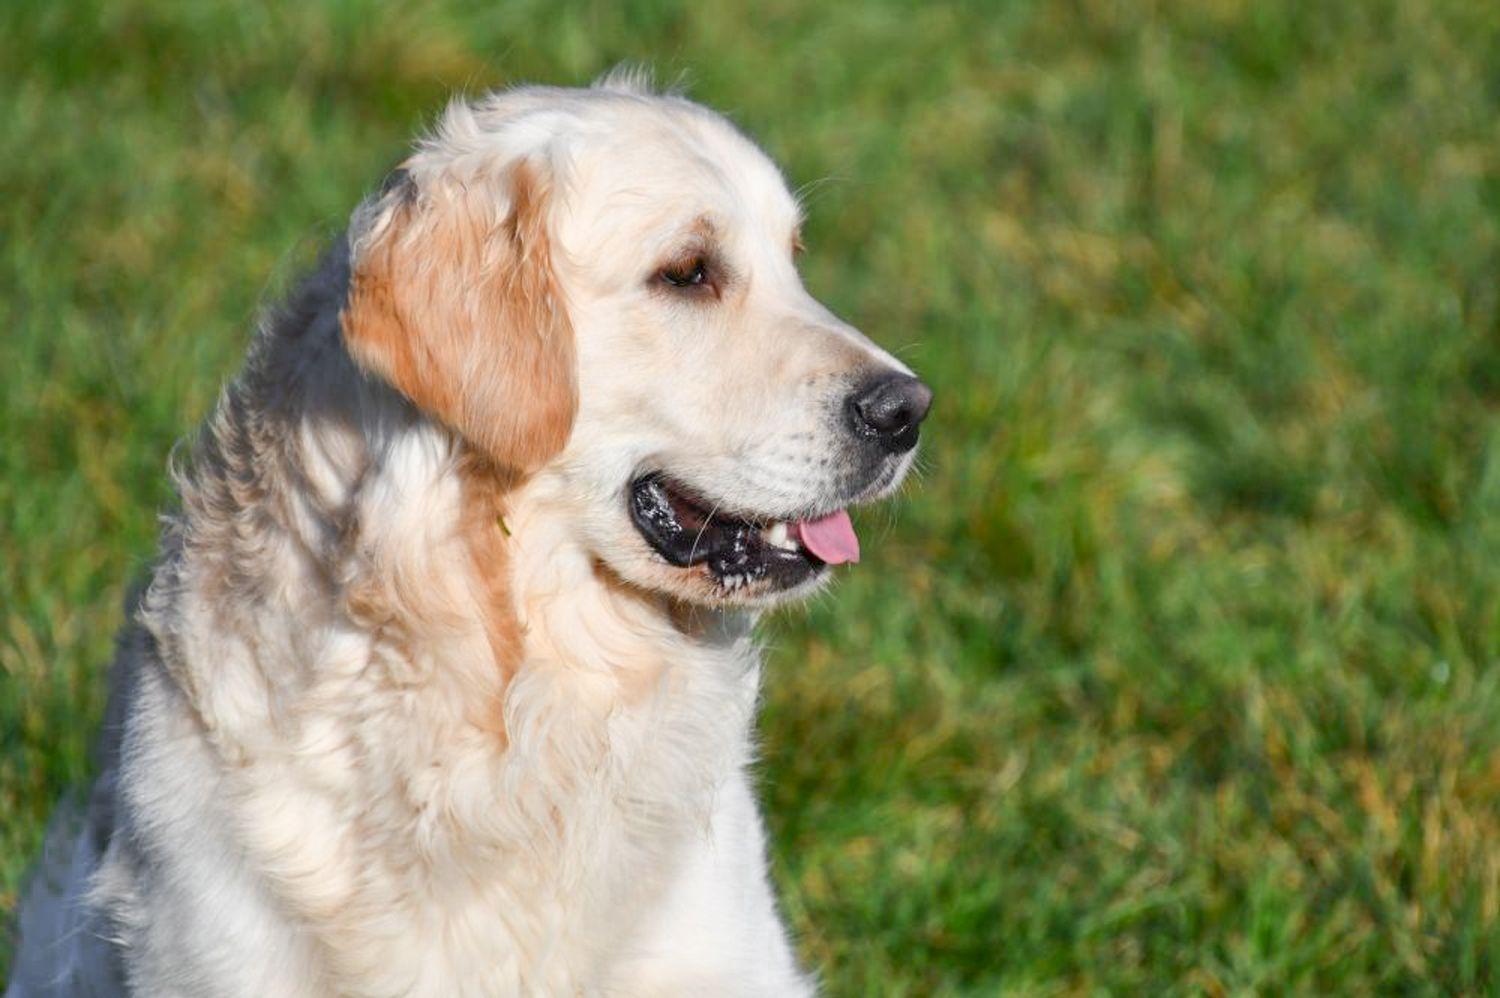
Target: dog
x=444 y=680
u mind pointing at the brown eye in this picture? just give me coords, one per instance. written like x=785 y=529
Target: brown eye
x=693 y=273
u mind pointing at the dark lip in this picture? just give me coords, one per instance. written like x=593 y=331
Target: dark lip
x=686 y=530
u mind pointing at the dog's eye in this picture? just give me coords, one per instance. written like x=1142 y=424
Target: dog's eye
x=692 y=274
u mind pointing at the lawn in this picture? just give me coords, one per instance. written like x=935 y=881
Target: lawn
x=1178 y=671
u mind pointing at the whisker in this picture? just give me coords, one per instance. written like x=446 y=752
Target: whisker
x=803 y=194
x=699 y=536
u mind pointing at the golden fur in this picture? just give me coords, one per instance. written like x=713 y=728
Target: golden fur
x=411 y=705
x=464 y=317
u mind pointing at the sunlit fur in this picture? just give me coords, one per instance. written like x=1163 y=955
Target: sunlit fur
x=408 y=707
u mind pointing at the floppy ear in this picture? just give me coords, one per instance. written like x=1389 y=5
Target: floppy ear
x=453 y=300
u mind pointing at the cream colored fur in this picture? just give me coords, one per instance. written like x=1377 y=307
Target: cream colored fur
x=326 y=773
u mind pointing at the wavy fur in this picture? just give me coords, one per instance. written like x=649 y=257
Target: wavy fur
x=405 y=709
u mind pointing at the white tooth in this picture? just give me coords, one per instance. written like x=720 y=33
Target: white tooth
x=779 y=536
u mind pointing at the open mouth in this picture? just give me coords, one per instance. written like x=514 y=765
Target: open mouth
x=686 y=530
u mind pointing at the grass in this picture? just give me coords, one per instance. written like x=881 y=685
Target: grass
x=1176 y=673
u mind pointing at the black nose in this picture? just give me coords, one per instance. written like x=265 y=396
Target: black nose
x=889 y=408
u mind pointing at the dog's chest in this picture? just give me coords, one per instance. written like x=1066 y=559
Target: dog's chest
x=439 y=860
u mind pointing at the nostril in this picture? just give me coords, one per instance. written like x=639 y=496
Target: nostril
x=890 y=408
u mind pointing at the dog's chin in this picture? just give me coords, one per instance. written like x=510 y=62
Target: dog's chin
x=700 y=554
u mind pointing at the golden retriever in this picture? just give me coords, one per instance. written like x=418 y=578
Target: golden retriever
x=444 y=681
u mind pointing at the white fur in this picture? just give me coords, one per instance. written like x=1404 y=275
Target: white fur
x=304 y=793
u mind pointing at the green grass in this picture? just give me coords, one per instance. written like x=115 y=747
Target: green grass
x=1176 y=673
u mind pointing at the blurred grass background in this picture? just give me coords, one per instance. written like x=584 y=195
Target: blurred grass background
x=1177 y=673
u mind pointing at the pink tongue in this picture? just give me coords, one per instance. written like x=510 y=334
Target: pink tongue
x=831 y=537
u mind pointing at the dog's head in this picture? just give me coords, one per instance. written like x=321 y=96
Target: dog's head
x=600 y=286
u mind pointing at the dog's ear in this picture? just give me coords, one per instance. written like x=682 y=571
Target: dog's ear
x=453 y=300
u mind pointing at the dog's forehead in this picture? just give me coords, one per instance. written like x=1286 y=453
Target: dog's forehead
x=666 y=158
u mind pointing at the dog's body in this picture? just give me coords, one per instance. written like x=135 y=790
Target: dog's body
x=427 y=696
